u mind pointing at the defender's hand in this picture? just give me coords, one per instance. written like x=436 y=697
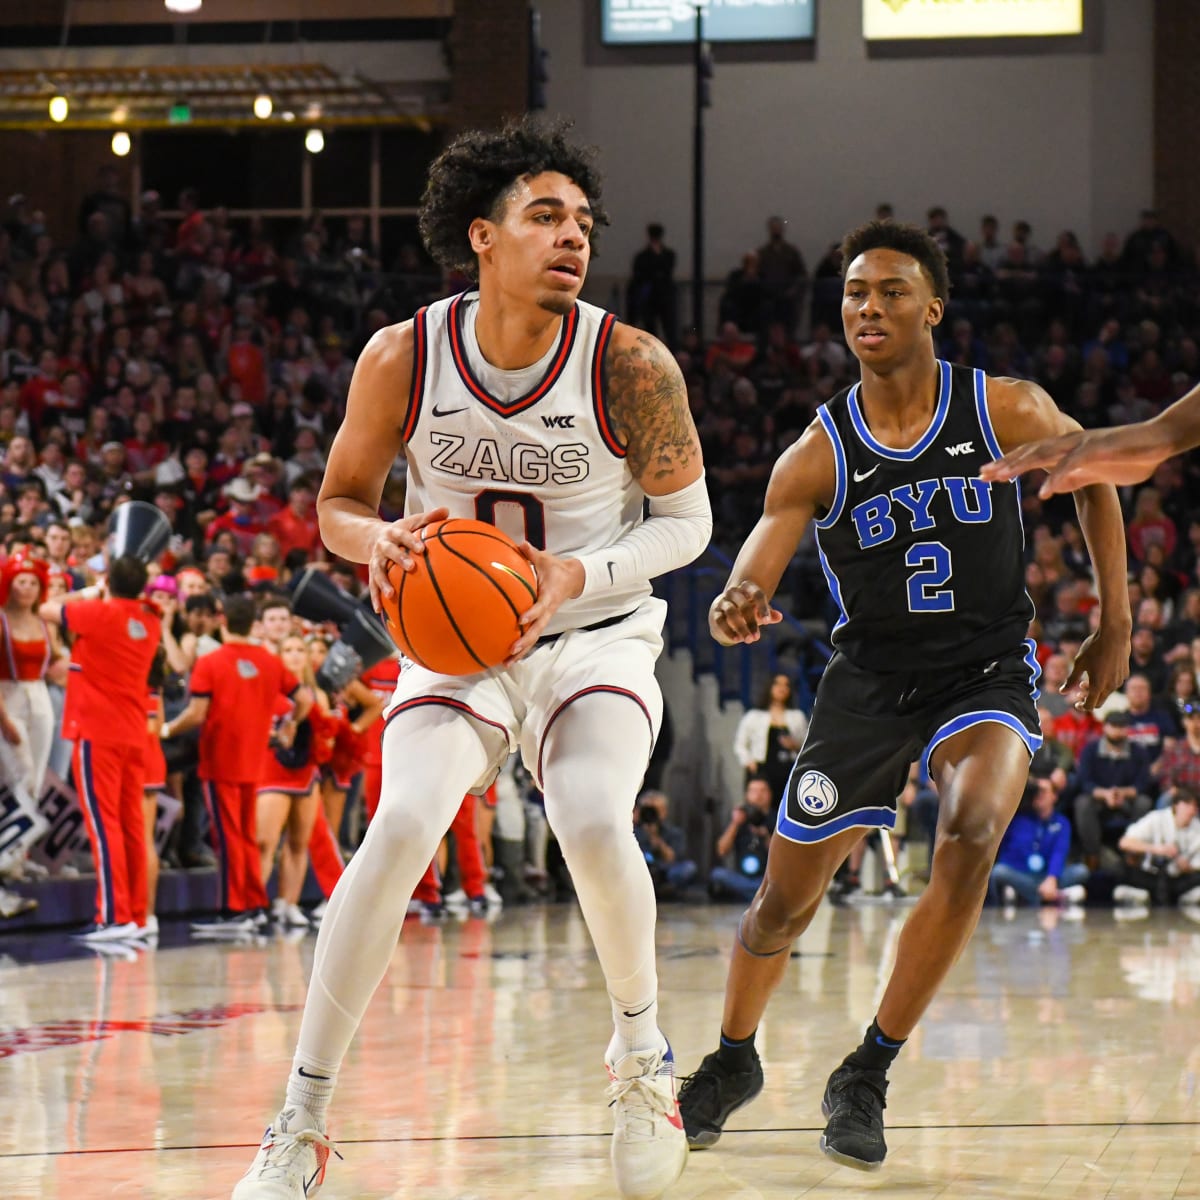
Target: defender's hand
x=1124 y=455
x=738 y=612
x=1104 y=659
x=397 y=543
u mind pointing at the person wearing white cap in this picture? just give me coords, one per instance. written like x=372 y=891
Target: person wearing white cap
x=241 y=518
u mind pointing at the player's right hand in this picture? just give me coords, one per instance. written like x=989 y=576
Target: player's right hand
x=398 y=542
x=738 y=612
x=1123 y=455
x=10 y=730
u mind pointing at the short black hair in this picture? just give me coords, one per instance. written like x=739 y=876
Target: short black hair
x=474 y=175
x=239 y=614
x=273 y=599
x=904 y=239
x=654 y=230
x=204 y=602
x=127 y=577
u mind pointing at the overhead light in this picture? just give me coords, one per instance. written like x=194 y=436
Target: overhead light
x=183 y=6
x=263 y=106
x=59 y=109
x=288 y=115
x=121 y=143
x=120 y=114
x=314 y=141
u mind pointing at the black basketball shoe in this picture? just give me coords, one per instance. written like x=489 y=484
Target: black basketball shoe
x=854 y=1100
x=710 y=1096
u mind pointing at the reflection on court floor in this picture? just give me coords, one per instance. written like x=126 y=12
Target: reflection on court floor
x=1060 y=1059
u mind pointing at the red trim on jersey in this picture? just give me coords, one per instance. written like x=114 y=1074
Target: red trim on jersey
x=598 y=398
x=420 y=361
x=566 y=342
x=445 y=702
x=588 y=691
x=23 y=670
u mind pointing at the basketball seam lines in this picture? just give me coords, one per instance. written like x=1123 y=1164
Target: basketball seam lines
x=450 y=616
x=400 y=617
x=443 y=534
x=484 y=573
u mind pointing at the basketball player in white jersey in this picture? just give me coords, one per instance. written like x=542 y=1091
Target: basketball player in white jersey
x=520 y=405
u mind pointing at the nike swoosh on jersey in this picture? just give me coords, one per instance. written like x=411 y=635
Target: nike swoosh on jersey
x=859 y=476
x=446 y=412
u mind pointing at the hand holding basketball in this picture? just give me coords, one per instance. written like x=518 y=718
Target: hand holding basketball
x=559 y=579
x=737 y=613
x=456 y=608
x=397 y=543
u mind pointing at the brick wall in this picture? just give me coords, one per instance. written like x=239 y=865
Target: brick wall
x=489 y=49
x=1177 y=117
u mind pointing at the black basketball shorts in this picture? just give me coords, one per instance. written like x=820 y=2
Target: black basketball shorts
x=868 y=728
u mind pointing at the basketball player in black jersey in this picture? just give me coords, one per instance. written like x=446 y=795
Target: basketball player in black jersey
x=925 y=561
x=1122 y=455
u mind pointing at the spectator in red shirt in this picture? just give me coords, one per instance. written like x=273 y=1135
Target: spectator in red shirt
x=233 y=694
x=295 y=528
x=245 y=364
x=241 y=519
x=115 y=642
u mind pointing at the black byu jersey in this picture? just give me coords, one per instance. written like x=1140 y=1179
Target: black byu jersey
x=923 y=557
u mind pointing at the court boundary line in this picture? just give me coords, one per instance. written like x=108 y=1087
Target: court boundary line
x=525 y=1137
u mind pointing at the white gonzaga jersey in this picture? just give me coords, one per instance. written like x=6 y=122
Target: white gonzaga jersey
x=543 y=466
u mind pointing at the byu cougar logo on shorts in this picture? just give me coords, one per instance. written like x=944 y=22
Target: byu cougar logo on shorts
x=817 y=794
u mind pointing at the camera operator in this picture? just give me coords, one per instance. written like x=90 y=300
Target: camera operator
x=746 y=837
x=662 y=844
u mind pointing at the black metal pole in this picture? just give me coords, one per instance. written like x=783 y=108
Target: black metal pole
x=698 y=186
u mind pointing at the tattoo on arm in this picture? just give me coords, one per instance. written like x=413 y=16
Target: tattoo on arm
x=647 y=401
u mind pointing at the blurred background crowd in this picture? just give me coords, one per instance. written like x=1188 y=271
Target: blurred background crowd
x=202 y=364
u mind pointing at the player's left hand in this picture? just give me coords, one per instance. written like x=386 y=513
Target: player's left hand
x=1104 y=659
x=558 y=579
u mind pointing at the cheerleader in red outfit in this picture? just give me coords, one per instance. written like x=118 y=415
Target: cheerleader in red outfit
x=27 y=648
x=381 y=679
x=358 y=708
x=288 y=792
x=155 y=767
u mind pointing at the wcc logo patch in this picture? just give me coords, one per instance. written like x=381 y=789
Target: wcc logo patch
x=246 y=669
x=136 y=630
x=816 y=794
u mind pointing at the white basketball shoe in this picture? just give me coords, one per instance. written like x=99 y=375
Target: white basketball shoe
x=290 y=1163
x=649 y=1148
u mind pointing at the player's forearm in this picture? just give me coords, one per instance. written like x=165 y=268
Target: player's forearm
x=349 y=528
x=1104 y=531
x=1178 y=428
x=675 y=534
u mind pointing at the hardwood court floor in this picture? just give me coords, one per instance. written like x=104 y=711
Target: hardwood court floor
x=1061 y=1060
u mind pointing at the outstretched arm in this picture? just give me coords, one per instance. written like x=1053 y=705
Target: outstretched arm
x=1122 y=455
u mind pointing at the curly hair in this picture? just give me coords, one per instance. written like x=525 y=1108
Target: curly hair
x=475 y=174
x=904 y=239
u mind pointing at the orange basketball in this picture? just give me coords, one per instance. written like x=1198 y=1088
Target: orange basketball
x=457 y=613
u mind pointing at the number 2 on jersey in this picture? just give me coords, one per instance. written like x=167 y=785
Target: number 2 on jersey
x=927 y=592
x=532 y=514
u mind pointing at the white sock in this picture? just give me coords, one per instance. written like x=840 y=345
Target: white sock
x=635 y=1027
x=310 y=1087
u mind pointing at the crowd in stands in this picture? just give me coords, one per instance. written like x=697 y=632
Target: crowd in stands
x=201 y=364
x=1112 y=335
